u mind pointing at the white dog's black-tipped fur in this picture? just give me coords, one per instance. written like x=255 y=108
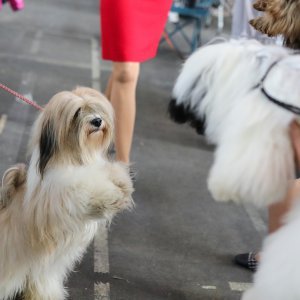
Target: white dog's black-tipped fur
x=49 y=214
x=220 y=88
x=180 y=114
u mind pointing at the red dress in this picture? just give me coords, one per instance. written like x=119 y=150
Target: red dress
x=131 y=29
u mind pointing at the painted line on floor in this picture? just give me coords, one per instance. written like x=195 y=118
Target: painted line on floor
x=47 y=61
x=256 y=219
x=101 y=259
x=95 y=61
x=36 y=44
x=101 y=291
x=3 y=120
x=209 y=287
x=11 y=137
x=239 y=286
x=101 y=256
x=17 y=116
x=26 y=87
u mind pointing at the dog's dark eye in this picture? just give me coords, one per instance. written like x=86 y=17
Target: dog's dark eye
x=77 y=113
x=96 y=122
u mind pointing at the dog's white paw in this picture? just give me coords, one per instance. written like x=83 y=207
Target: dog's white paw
x=220 y=192
x=119 y=175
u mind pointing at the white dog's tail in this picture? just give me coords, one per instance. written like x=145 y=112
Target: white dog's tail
x=13 y=178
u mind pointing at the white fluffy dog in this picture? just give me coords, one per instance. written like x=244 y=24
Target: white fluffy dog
x=225 y=90
x=243 y=97
x=49 y=215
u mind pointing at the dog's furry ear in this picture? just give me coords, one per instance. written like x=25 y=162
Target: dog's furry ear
x=260 y=5
x=177 y=112
x=180 y=114
x=48 y=145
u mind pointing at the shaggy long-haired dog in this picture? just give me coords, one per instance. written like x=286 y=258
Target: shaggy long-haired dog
x=228 y=92
x=49 y=215
x=280 y=17
x=243 y=97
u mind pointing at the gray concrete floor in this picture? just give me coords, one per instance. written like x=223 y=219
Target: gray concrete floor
x=177 y=243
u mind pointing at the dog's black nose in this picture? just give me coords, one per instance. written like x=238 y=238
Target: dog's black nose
x=96 y=122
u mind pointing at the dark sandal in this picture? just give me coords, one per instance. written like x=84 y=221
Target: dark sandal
x=247 y=260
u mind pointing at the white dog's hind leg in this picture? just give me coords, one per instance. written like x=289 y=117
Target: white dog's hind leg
x=278 y=275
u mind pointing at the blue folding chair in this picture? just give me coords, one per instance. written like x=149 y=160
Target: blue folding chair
x=191 y=13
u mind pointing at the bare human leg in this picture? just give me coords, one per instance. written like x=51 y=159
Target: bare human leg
x=121 y=91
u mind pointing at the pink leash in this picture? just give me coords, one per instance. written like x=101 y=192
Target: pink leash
x=21 y=97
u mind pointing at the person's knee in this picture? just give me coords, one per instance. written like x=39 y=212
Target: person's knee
x=126 y=73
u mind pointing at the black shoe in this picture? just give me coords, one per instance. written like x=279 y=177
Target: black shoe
x=247 y=260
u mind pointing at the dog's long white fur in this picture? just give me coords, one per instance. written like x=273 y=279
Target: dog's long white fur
x=50 y=219
x=253 y=158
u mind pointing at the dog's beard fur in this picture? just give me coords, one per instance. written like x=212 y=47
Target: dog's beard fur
x=49 y=216
x=220 y=84
x=280 y=17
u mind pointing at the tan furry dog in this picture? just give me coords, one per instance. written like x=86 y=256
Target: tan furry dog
x=49 y=215
x=281 y=17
